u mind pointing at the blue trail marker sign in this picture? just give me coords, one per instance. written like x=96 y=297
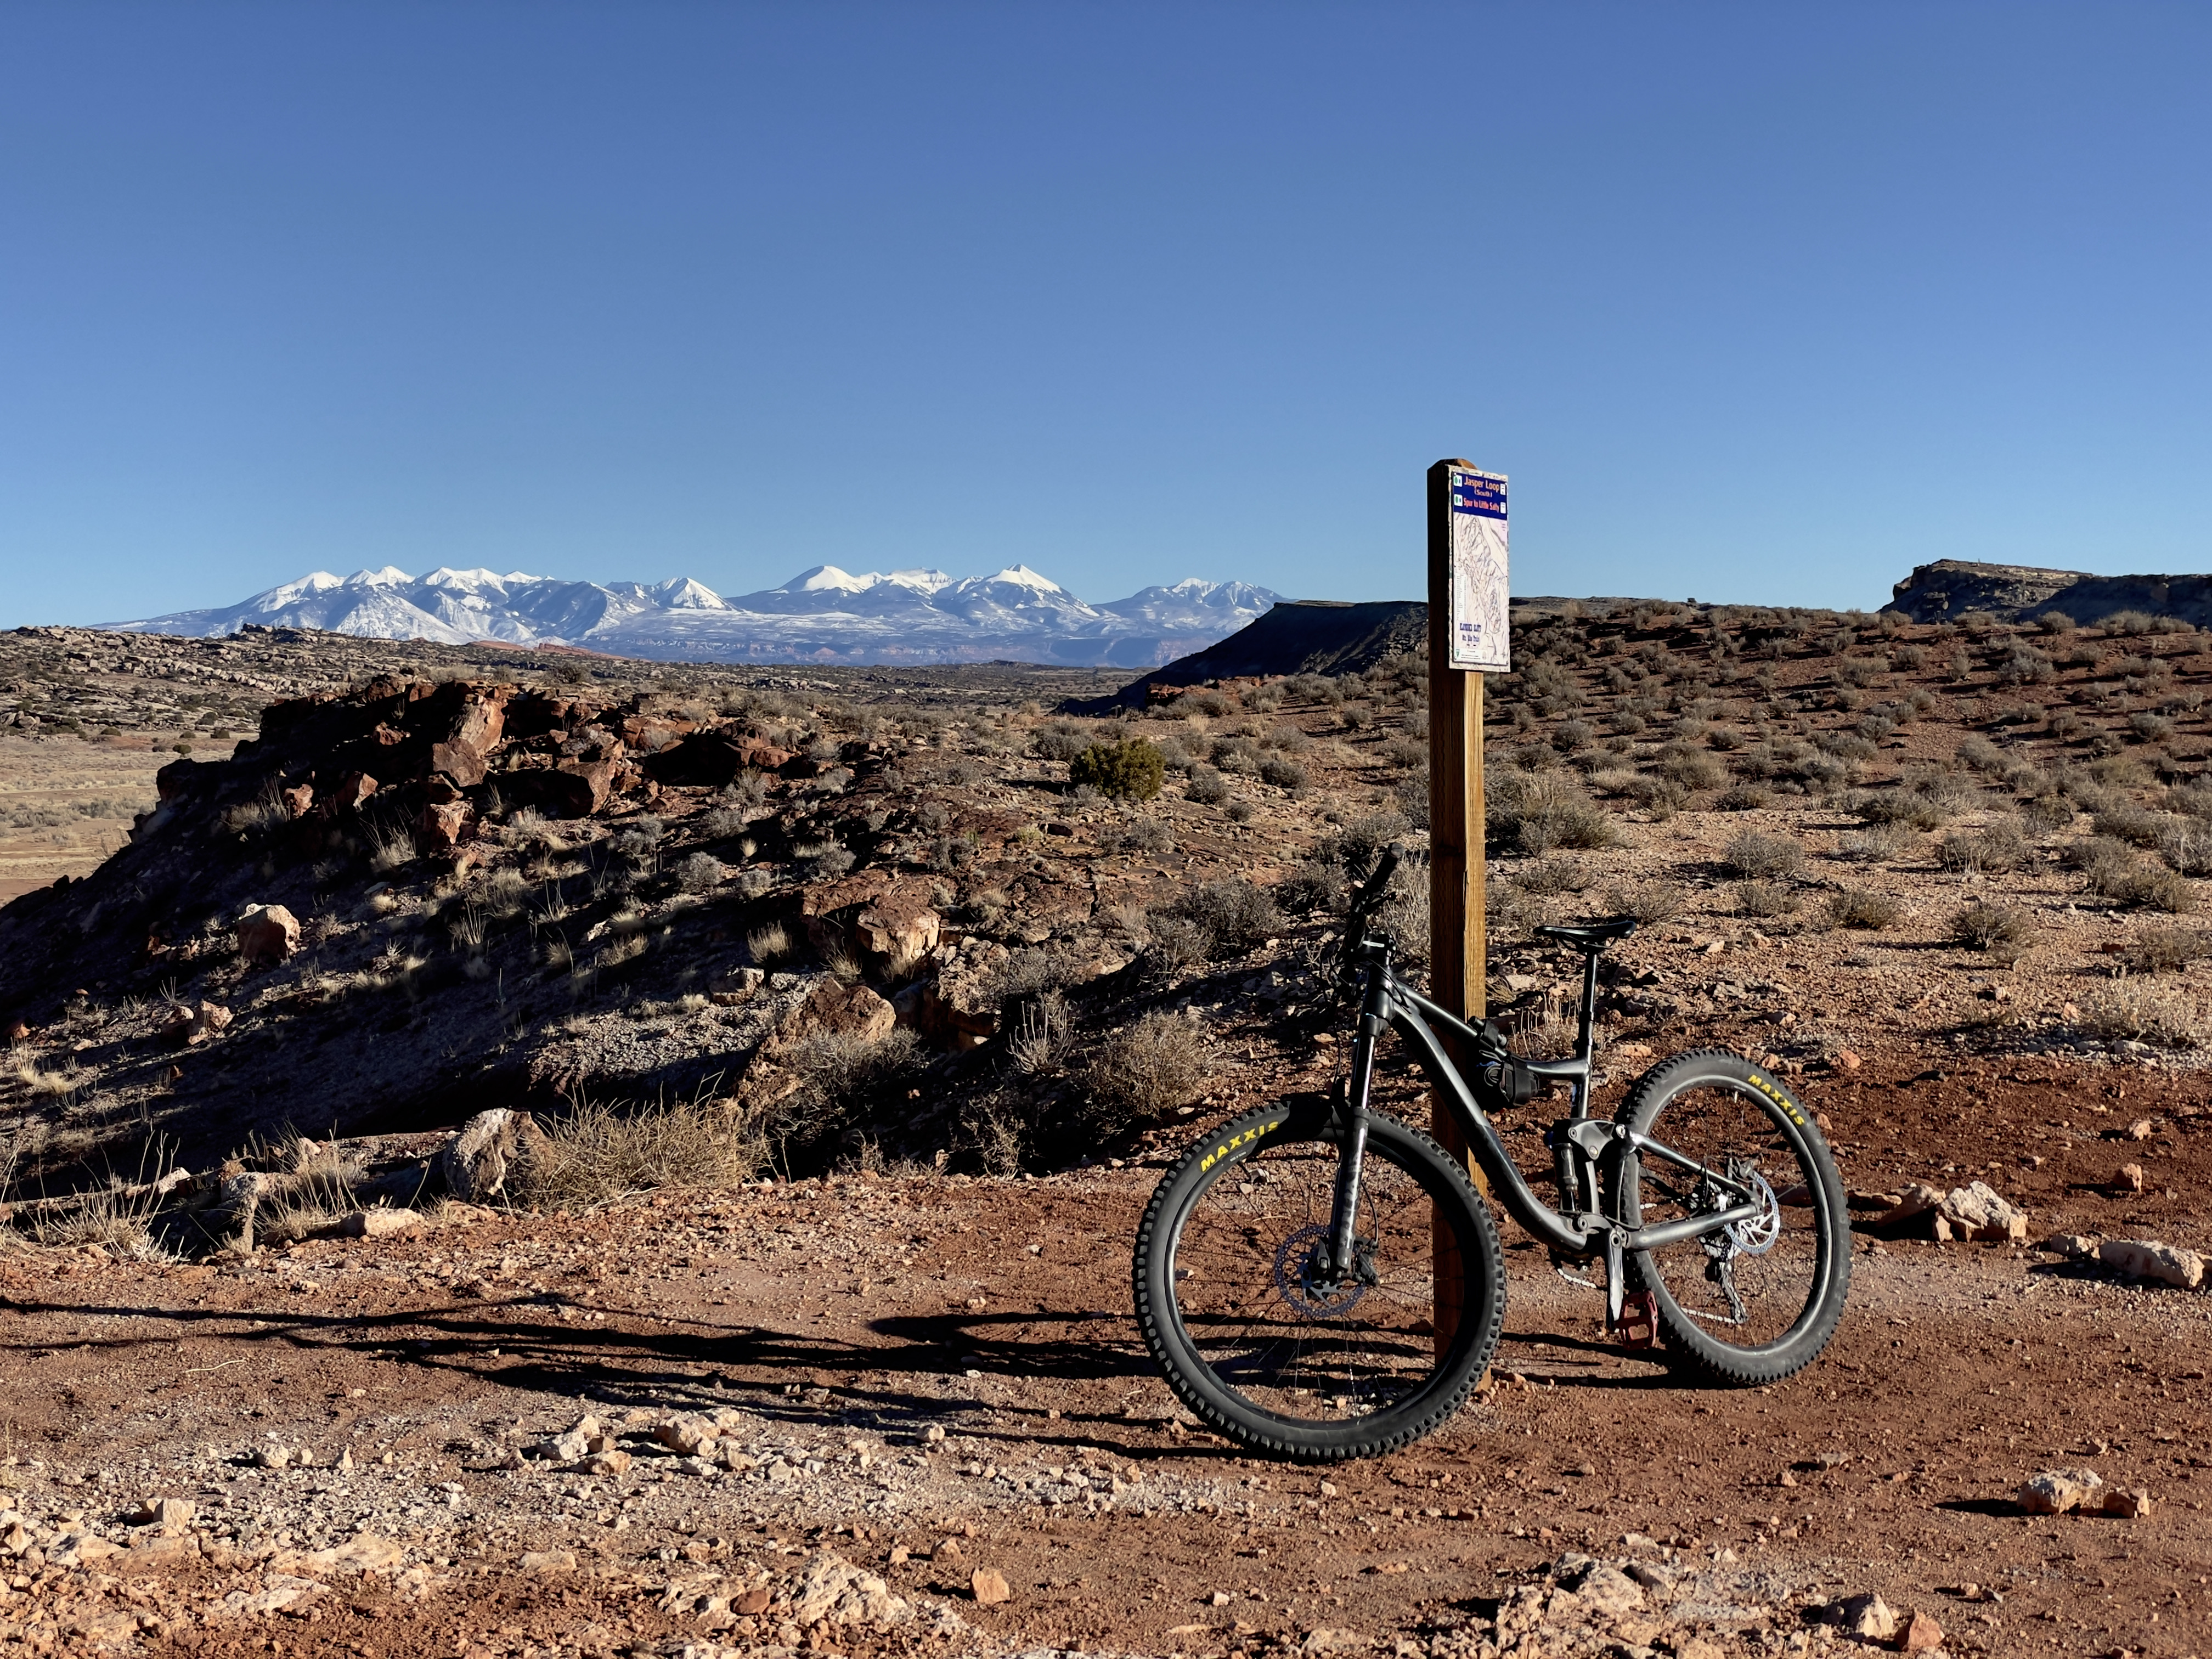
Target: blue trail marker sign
x=1480 y=642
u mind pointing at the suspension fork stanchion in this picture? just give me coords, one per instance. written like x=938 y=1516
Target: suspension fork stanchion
x=1344 y=1219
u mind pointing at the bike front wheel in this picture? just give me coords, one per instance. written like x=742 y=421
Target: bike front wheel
x=1269 y=1347
x=1757 y=1300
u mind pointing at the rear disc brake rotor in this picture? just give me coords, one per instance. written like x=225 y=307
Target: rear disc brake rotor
x=1758 y=1235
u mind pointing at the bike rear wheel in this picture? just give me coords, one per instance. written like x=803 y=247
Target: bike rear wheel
x=1756 y=1301
x=1267 y=1349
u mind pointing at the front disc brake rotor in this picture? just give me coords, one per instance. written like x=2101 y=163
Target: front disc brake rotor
x=1300 y=1282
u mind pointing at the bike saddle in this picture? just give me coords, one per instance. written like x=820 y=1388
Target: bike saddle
x=1592 y=936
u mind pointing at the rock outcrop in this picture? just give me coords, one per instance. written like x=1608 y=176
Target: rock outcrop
x=1950 y=588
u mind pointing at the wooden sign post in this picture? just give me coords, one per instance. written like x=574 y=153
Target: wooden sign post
x=1468 y=638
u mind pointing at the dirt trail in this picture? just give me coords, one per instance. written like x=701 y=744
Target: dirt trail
x=899 y=1362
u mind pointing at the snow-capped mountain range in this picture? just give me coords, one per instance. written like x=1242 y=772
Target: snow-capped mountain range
x=824 y=615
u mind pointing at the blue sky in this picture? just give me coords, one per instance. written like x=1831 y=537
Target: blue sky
x=1755 y=303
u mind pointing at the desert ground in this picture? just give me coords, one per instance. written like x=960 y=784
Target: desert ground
x=843 y=1290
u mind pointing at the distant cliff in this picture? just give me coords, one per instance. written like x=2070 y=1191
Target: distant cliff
x=1949 y=588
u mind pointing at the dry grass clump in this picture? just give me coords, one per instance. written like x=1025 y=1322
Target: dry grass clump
x=1763 y=857
x=1548 y=878
x=1878 y=845
x=1207 y=787
x=2161 y=949
x=1691 y=767
x=1987 y=927
x=1996 y=850
x=2111 y=870
x=701 y=872
x=2140 y=1011
x=1927 y=802
x=1323 y=879
x=1153 y=1066
x=2185 y=844
x=1040 y=1035
x=2147 y=887
x=2125 y=821
x=599 y=1152
x=1648 y=902
x=1869 y=911
x=1539 y=812
x=1230 y=916
x=1765 y=898
x=768 y=946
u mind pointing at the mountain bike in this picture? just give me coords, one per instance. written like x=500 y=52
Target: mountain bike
x=1287 y=1267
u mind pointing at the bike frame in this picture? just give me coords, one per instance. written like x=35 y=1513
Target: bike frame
x=1582 y=1150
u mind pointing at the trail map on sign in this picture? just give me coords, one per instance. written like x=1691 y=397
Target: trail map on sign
x=1480 y=639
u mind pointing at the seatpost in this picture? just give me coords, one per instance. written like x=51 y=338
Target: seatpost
x=1583 y=1045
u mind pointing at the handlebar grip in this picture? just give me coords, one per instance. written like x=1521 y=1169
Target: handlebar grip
x=1378 y=879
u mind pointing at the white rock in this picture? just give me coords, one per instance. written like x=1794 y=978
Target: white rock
x=2148 y=1259
x=380 y=1223
x=2054 y=1491
x=832 y=1590
x=1867 y=1616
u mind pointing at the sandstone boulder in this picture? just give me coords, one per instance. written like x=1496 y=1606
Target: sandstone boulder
x=444 y=825
x=492 y=1149
x=267 y=932
x=596 y=776
x=899 y=927
x=352 y=792
x=835 y=1009
x=464 y=756
x=172 y=1514
x=557 y=791
x=709 y=760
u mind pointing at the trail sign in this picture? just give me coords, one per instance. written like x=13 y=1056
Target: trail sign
x=1477 y=627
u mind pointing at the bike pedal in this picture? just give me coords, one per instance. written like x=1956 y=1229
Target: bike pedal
x=1640 y=1320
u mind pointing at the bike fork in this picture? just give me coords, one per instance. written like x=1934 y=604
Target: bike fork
x=1343 y=1218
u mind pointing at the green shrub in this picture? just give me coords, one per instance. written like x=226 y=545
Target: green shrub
x=1128 y=771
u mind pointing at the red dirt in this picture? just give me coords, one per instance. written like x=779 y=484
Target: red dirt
x=1959 y=1371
